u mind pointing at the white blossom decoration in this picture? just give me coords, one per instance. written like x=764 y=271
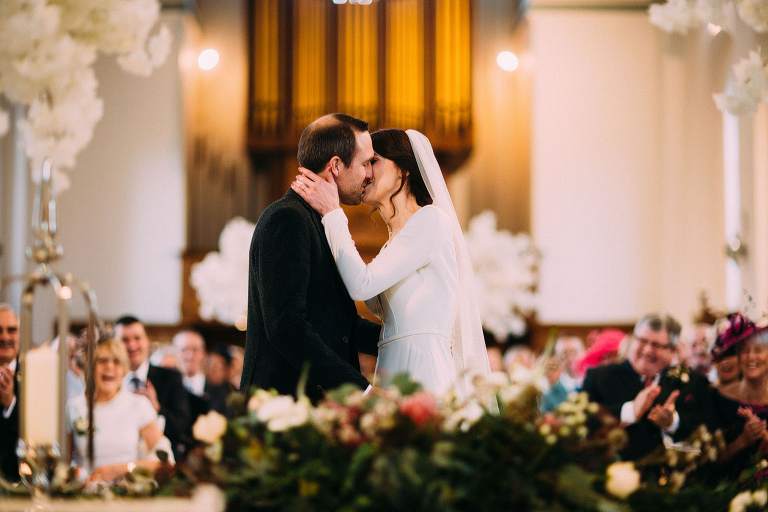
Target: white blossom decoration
x=675 y=16
x=221 y=279
x=506 y=271
x=749 y=84
x=47 y=51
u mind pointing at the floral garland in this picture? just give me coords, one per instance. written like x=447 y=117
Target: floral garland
x=750 y=75
x=47 y=51
x=400 y=448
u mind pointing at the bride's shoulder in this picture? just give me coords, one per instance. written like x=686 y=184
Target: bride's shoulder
x=431 y=219
x=433 y=214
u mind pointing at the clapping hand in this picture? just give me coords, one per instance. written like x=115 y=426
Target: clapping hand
x=645 y=399
x=7 y=385
x=321 y=192
x=754 y=427
x=663 y=414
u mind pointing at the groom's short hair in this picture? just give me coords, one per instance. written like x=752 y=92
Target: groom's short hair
x=326 y=137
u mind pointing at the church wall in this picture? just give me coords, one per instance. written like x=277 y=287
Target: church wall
x=123 y=220
x=626 y=167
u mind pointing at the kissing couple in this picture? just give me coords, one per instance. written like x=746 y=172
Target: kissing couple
x=305 y=272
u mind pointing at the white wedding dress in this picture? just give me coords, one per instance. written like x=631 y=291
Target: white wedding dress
x=422 y=286
x=412 y=286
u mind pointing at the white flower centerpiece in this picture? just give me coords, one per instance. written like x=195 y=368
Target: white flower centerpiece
x=47 y=51
x=506 y=271
x=221 y=279
x=749 y=84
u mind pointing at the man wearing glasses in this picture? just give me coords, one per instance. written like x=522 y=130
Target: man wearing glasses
x=650 y=399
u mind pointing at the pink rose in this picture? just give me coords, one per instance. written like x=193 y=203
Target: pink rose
x=420 y=407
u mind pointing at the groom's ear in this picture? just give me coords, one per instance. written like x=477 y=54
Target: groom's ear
x=333 y=165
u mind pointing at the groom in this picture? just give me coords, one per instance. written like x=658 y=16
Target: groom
x=300 y=316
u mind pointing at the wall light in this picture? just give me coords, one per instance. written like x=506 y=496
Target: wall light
x=714 y=29
x=507 y=61
x=208 y=59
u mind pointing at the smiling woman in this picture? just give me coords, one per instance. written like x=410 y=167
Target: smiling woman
x=743 y=405
x=123 y=421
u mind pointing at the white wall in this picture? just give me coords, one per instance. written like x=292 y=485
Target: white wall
x=627 y=193
x=123 y=220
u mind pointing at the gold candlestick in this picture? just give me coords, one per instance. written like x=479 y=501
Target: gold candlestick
x=44 y=251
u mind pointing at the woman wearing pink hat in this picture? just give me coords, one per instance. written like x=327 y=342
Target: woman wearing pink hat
x=742 y=406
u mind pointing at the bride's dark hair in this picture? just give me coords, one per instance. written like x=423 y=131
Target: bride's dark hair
x=394 y=144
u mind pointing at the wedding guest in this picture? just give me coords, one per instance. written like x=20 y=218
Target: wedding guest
x=694 y=350
x=519 y=356
x=742 y=406
x=162 y=386
x=727 y=369
x=604 y=349
x=166 y=356
x=726 y=361
x=123 y=421
x=9 y=392
x=567 y=351
x=217 y=365
x=204 y=394
x=236 y=366
x=650 y=399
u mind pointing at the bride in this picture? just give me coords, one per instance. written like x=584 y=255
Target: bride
x=421 y=282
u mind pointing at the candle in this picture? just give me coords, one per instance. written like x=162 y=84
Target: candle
x=40 y=395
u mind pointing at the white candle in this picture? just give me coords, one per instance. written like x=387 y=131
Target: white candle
x=40 y=396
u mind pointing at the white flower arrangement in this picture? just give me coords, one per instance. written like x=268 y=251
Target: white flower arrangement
x=47 y=51
x=746 y=499
x=750 y=75
x=210 y=427
x=221 y=279
x=506 y=271
x=282 y=412
x=749 y=86
x=622 y=479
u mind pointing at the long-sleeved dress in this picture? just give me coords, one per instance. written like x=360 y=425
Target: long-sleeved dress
x=412 y=285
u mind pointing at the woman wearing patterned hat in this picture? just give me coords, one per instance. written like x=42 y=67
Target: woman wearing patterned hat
x=742 y=406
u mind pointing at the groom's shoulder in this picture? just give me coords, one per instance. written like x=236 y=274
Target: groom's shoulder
x=285 y=209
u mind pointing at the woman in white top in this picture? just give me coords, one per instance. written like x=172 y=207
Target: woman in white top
x=125 y=424
x=421 y=283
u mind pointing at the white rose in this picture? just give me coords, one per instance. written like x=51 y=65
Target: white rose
x=210 y=427
x=283 y=413
x=258 y=399
x=740 y=502
x=623 y=479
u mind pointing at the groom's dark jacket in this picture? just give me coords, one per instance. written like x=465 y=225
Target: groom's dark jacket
x=299 y=312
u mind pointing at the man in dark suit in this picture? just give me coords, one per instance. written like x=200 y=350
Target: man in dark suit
x=162 y=386
x=203 y=394
x=650 y=399
x=300 y=316
x=9 y=393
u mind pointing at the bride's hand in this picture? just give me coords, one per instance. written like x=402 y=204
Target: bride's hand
x=320 y=192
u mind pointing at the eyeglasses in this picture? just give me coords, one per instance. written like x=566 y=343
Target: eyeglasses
x=9 y=330
x=655 y=345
